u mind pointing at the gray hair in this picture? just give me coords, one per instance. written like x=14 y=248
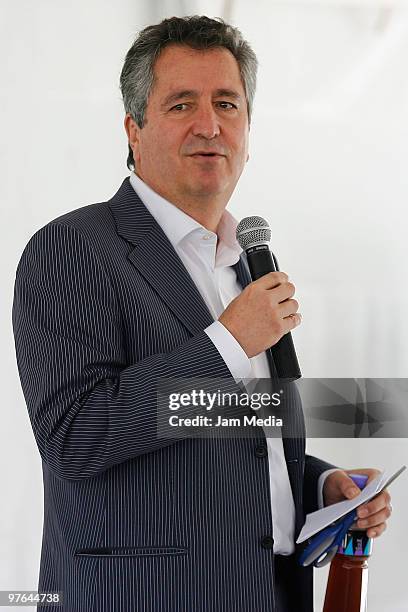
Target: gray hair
x=137 y=76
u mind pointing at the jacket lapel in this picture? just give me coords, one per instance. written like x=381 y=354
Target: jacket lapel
x=155 y=258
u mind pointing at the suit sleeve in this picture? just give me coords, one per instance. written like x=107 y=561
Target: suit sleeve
x=314 y=467
x=89 y=409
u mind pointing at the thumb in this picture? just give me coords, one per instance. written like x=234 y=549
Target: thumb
x=348 y=488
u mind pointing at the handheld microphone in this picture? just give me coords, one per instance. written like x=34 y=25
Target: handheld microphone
x=253 y=235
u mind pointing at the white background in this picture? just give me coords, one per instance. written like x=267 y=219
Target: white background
x=328 y=169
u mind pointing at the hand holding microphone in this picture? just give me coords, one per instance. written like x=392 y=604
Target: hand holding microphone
x=263 y=315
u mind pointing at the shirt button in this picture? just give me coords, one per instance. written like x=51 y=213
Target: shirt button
x=267 y=542
x=261 y=451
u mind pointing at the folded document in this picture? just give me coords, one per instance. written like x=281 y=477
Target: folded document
x=316 y=521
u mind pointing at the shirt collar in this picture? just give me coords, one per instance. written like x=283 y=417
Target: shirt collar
x=177 y=225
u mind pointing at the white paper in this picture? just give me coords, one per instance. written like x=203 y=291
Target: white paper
x=316 y=521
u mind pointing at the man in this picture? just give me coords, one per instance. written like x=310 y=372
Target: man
x=112 y=297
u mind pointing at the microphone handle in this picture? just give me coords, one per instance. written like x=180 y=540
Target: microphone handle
x=261 y=262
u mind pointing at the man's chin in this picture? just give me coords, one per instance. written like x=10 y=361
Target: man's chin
x=208 y=189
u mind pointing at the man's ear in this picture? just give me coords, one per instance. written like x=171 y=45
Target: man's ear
x=249 y=129
x=133 y=134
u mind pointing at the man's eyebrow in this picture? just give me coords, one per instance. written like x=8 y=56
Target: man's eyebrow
x=179 y=95
x=228 y=93
x=192 y=93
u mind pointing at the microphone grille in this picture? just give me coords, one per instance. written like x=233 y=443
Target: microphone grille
x=252 y=230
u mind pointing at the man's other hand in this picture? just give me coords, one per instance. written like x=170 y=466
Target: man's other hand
x=372 y=515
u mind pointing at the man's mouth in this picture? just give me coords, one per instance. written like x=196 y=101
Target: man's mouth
x=206 y=155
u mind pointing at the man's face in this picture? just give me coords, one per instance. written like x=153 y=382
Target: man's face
x=194 y=143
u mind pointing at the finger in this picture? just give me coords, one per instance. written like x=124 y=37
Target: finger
x=287 y=308
x=371 y=473
x=374 y=519
x=271 y=280
x=282 y=293
x=292 y=321
x=377 y=531
x=348 y=487
x=375 y=505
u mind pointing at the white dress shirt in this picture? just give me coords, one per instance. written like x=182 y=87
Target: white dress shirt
x=208 y=258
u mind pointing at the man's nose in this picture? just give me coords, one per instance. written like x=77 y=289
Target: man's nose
x=206 y=123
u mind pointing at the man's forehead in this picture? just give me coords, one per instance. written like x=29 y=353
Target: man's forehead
x=175 y=60
x=175 y=72
x=187 y=50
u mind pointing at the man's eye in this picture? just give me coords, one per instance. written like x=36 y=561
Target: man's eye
x=227 y=105
x=178 y=107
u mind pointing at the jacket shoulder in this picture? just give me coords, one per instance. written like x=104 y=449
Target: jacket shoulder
x=90 y=228
x=91 y=221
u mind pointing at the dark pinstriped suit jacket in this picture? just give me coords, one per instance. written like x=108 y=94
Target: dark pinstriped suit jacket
x=103 y=307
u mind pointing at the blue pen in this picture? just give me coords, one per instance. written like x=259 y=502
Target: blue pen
x=325 y=544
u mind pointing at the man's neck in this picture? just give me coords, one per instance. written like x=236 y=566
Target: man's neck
x=205 y=210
